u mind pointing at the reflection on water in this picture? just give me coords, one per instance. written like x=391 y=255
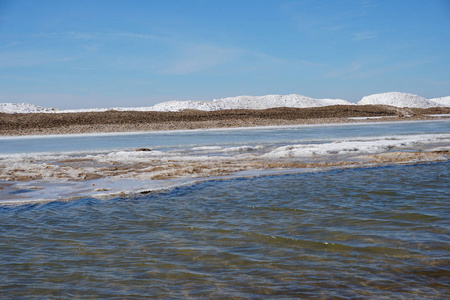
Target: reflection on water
x=356 y=233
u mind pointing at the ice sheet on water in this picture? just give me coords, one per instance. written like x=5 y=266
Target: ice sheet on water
x=356 y=147
x=207 y=148
x=243 y=149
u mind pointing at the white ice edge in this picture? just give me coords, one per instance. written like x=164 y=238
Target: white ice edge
x=370 y=118
x=126 y=187
x=440 y=115
x=123 y=188
x=46 y=165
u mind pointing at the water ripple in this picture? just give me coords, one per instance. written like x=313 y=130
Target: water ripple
x=341 y=234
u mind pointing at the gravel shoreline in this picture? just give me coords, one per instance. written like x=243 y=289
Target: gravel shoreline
x=133 y=121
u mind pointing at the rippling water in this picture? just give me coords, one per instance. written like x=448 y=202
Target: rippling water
x=379 y=232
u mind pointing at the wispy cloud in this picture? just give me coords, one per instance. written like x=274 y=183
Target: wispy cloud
x=316 y=18
x=31 y=58
x=67 y=35
x=443 y=83
x=19 y=78
x=387 y=68
x=132 y=35
x=312 y=64
x=71 y=45
x=366 y=68
x=350 y=70
x=191 y=59
x=196 y=58
x=75 y=35
x=364 y=35
x=337 y=27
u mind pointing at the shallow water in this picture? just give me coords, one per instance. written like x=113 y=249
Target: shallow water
x=379 y=232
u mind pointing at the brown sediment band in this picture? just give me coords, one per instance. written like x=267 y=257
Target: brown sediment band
x=132 y=121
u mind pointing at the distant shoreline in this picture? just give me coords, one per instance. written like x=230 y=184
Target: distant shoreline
x=16 y=124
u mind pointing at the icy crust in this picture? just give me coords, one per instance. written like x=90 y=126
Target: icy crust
x=355 y=147
x=398 y=99
x=195 y=162
x=66 y=175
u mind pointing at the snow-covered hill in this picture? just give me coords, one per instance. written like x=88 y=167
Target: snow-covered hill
x=252 y=102
x=249 y=102
x=23 y=108
x=398 y=99
x=443 y=101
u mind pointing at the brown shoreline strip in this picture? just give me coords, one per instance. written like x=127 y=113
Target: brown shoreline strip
x=128 y=121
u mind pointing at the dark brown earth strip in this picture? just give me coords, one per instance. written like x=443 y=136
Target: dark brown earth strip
x=126 y=121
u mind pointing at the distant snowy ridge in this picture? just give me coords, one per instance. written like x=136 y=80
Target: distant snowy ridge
x=249 y=102
x=396 y=99
x=443 y=101
x=23 y=107
x=399 y=100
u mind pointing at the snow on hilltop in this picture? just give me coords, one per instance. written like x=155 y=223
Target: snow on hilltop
x=249 y=102
x=398 y=99
x=444 y=101
x=23 y=107
x=252 y=102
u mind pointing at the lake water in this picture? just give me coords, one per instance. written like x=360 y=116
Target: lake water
x=375 y=232
x=184 y=139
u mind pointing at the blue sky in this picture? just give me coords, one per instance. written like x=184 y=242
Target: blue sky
x=80 y=54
